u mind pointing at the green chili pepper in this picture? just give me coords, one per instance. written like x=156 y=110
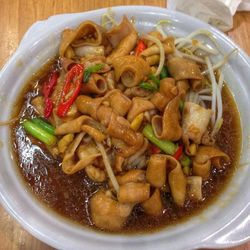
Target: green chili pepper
x=154 y=79
x=44 y=125
x=166 y=146
x=164 y=72
x=148 y=86
x=185 y=161
x=39 y=133
x=92 y=69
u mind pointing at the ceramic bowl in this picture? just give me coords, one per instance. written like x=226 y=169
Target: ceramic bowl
x=225 y=223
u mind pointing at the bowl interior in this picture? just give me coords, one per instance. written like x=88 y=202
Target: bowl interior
x=213 y=227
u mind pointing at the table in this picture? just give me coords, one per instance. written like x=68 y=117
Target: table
x=15 y=18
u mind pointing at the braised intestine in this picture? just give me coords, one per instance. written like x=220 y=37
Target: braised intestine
x=103 y=132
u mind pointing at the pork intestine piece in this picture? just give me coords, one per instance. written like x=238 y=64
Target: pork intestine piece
x=116 y=126
x=156 y=173
x=86 y=153
x=164 y=167
x=95 y=174
x=168 y=126
x=168 y=45
x=120 y=103
x=119 y=32
x=134 y=192
x=166 y=93
x=131 y=70
x=205 y=157
x=107 y=213
x=124 y=47
x=95 y=133
x=82 y=123
x=153 y=206
x=133 y=175
x=181 y=69
x=195 y=120
x=139 y=105
x=88 y=106
x=119 y=129
x=183 y=87
x=96 y=84
x=177 y=181
x=125 y=150
x=81 y=36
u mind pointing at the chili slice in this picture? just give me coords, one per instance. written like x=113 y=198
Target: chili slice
x=47 y=90
x=178 y=152
x=154 y=149
x=140 y=47
x=71 y=89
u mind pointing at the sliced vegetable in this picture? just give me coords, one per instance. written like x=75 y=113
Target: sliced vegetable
x=148 y=86
x=39 y=133
x=164 y=72
x=44 y=125
x=178 y=152
x=71 y=89
x=166 y=146
x=155 y=79
x=48 y=107
x=186 y=170
x=48 y=88
x=154 y=149
x=92 y=69
x=136 y=123
x=140 y=47
x=185 y=161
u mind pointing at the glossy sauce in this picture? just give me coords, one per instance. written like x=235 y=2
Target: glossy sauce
x=68 y=195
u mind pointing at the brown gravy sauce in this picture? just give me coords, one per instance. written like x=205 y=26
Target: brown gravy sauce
x=69 y=195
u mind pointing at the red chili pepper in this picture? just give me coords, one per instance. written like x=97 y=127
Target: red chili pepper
x=140 y=47
x=71 y=87
x=48 y=107
x=178 y=152
x=154 y=149
x=48 y=88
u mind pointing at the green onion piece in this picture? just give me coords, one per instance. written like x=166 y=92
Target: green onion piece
x=86 y=76
x=164 y=72
x=181 y=105
x=154 y=79
x=166 y=146
x=39 y=133
x=185 y=161
x=44 y=125
x=148 y=86
x=92 y=69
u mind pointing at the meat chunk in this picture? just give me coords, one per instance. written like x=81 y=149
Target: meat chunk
x=107 y=213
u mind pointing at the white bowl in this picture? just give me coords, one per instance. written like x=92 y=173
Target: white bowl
x=223 y=224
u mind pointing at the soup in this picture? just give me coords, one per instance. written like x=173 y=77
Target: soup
x=127 y=133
